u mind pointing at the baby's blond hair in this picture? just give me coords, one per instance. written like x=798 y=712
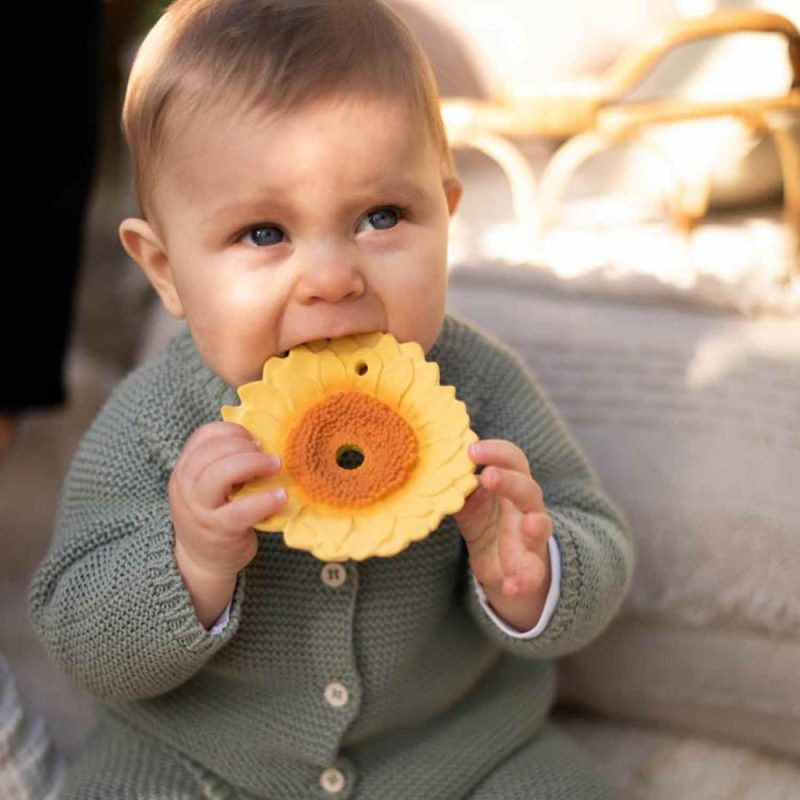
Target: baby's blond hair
x=275 y=55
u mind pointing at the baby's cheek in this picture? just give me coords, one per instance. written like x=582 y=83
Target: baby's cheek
x=246 y=358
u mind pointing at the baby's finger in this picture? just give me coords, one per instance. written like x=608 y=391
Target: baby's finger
x=520 y=489
x=510 y=545
x=528 y=577
x=537 y=527
x=215 y=482
x=213 y=430
x=211 y=450
x=253 y=509
x=522 y=569
x=500 y=453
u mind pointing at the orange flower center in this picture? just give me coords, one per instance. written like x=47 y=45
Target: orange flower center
x=350 y=449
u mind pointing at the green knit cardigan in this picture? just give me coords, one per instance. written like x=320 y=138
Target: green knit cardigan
x=430 y=694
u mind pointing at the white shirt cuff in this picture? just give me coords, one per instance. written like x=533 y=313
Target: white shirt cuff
x=549 y=604
x=219 y=626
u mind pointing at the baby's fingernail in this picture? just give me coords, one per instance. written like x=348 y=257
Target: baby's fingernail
x=278 y=494
x=257 y=442
x=273 y=461
x=474 y=449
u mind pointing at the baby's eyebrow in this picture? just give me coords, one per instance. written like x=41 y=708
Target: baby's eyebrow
x=243 y=208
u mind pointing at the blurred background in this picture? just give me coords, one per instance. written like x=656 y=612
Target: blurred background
x=611 y=236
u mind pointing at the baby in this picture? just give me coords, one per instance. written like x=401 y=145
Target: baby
x=295 y=183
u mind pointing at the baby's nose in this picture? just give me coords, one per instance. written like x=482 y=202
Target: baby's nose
x=333 y=278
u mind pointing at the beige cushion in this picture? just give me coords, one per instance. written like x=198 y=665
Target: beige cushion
x=655 y=763
x=691 y=419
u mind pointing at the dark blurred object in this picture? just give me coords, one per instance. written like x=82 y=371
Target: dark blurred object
x=55 y=161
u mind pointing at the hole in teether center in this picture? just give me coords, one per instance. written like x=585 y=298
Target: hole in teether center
x=348 y=456
x=361 y=368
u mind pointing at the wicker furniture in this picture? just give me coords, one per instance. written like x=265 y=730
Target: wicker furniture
x=592 y=116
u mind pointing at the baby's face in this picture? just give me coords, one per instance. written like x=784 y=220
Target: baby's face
x=281 y=230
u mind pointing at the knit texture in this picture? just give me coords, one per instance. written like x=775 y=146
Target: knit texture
x=438 y=696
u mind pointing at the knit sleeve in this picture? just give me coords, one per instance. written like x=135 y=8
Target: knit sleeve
x=108 y=601
x=593 y=539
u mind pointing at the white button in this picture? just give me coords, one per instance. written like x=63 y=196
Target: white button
x=336 y=694
x=332 y=780
x=334 y=574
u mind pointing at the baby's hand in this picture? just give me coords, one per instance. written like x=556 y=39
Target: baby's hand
x=214 y=537
x=506 y=527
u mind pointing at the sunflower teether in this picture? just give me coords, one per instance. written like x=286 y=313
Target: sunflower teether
x=374 y=448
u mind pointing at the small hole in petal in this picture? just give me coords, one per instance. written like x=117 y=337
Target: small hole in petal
x=362 y=368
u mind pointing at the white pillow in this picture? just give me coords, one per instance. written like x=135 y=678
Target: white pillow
x=691 y=419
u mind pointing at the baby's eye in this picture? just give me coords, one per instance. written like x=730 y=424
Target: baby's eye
x=386 y=217
x=263 y=235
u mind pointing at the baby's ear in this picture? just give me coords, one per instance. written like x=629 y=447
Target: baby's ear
x=144 y=246
x=453 y=189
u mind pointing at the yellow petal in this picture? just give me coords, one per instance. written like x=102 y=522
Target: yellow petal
x=387 y=348
x=406 y=530
x=233 y=414
x=396 y=378
x=267 y=429
x=333 y=375
x=365 y=536
x=300 y=377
